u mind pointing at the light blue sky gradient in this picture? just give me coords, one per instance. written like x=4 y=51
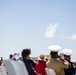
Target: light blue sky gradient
x=23 y=24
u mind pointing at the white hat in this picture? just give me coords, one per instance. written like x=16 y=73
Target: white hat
x=54 y=48
x=67 y=52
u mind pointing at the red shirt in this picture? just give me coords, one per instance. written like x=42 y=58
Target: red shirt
x=40 y=67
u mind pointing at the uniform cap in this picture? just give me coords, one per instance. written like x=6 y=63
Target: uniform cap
x=67 y=52
x=54 y=48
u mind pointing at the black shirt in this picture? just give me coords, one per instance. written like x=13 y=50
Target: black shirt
x=29 y=67
x=70 y=70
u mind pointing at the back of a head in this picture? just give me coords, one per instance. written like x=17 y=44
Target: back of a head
x=10 y=56
x=67 y=54
x=41 y=57
x=1 y=60
x=54 y=50
x=25 y=52
x=54 y=54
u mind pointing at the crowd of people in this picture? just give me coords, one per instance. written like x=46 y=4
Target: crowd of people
x=61 y=64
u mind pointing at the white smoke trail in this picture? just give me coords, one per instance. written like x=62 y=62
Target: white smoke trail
x=51 y=29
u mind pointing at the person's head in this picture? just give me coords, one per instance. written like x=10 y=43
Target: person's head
x=66 y=57
x=67 y=54
x=10 y=56
x=54 y=54
x=41 y=57
x=25 y=53
x=1 y=60
x=54 y=50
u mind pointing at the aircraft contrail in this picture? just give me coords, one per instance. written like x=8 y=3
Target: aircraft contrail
x=51 y=29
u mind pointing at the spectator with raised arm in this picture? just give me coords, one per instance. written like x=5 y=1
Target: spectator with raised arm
x=30 y=64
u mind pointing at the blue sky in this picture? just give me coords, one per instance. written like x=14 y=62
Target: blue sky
x=24 y=23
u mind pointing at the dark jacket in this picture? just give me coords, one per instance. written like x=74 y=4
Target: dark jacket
x=70 y=70
x=29 y=67
x=33 y=63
